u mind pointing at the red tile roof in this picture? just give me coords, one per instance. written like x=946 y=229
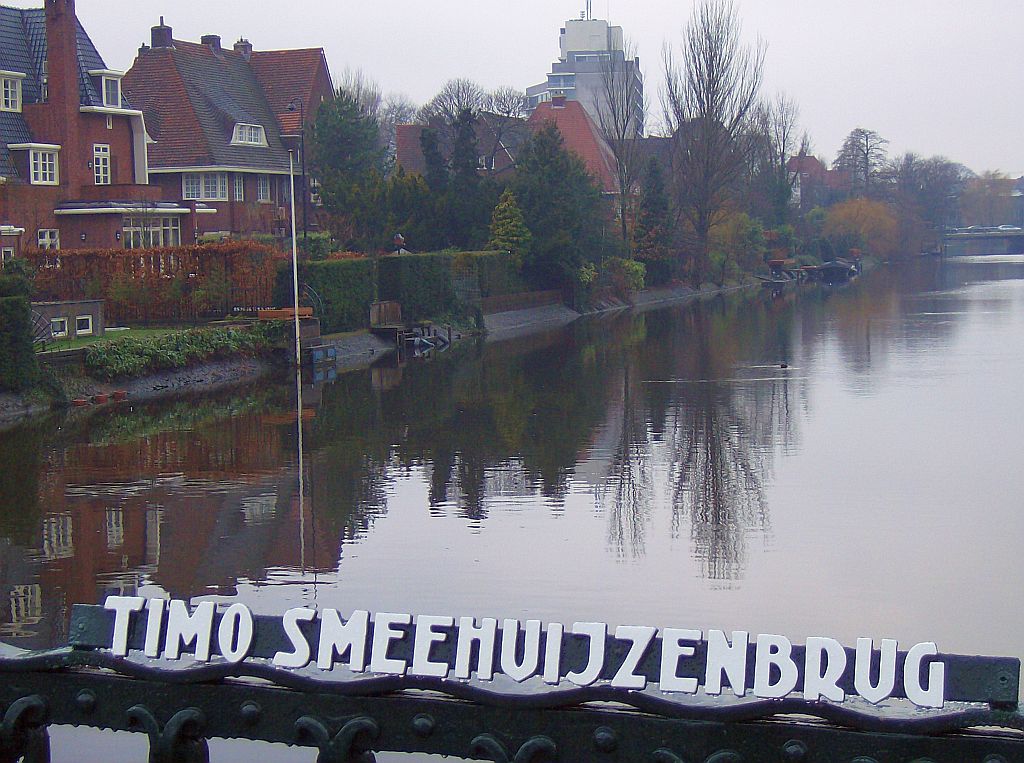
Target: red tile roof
x=286 y=75
x=408 y=151
x=582 y=137
x=155 y=86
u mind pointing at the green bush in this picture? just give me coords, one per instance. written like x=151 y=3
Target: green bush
x=136 y=356
x=316 y=246
x=623 y=276
x=18 y=368
x=495 y=272
x=421 y=283
x=346 y=287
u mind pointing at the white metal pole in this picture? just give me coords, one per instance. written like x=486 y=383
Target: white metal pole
x=298 y=365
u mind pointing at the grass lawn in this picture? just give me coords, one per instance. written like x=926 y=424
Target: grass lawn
x=73 y=343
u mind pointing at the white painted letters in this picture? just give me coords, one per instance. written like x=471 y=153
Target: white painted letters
x=672 y=648
x=816 y=683
x=483 y=635
x=122 y=607
x=183 y=629
x=595 y=661
x=777 y=651
x=520 y=671
x=886 y=670
x=336 y=638
x=934 y=695
x=640 y=637
x=425 y=637
x=299 y=656
x=384 y=632
x=728 y=660
x=234 y=636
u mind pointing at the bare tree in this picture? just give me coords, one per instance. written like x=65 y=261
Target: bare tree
x=863 y=156
x=620 y=117
x=396 y=109
x=364 y=91
x=454 y=97
x=776 y=128
x=505 y=108
x=710 y=95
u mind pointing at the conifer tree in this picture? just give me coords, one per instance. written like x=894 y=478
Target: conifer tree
x=508 y=230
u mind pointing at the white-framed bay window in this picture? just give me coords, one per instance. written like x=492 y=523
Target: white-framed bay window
x=146 y=231
x=112 y=92
x=42 y=162
x=205 y=186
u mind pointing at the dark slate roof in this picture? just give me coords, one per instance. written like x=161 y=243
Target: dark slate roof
x=23 y=49
x=208 y=89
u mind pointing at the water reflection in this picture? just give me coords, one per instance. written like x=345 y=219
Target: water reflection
x=666 y=428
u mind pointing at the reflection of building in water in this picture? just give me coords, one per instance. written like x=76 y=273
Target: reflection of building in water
x=26 y=610
x=58 y=537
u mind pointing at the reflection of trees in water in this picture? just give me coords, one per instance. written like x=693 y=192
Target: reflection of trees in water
x=712 y=434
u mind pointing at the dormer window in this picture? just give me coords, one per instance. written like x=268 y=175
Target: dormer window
x=112 y=92
x=10 y=90
x=249 y=135
x=110 y=86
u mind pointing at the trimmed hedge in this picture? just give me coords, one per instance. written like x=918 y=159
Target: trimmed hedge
x=421 y=283
x=135 y=356
x=347 y=288
x=495 y=272
x=18 y=368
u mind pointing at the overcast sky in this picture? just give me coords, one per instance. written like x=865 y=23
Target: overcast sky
x=932 y=76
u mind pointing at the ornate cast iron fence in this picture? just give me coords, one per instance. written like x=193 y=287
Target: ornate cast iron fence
x=180 y=708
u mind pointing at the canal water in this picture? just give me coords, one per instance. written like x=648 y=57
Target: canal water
x=816 y=462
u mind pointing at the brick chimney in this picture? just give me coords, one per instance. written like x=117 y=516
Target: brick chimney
x=64 y=100
x=213 y=40
x=161 y=35
x=558 y=101
x=244 y=48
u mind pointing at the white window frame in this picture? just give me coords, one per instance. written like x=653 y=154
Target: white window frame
x=204 y=186
x=48 y=238
x=249 y=135
x=81 y=331
x=10 y=91
x=61 y=333
x=263 y=188
x=146 y=231
x=116 y=81
x=44 y=166
x=6 y=255
x=239 y=186
x=101 y=163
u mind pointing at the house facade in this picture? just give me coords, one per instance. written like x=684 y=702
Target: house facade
x=222 y=123
x=73 y=159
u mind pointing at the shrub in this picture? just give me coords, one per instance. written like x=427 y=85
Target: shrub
x=136 y=356
x=421 y=283
x=346 y=287
x=622 y=276
x=316 y=246
x=18 y=369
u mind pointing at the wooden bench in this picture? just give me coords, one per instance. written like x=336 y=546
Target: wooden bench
x=283 y=314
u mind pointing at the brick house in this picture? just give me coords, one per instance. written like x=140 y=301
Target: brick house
x=73 y=161
x=222 y=121
x=580 y=134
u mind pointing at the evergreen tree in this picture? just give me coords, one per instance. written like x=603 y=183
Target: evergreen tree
x=436 y=173
x=508 y=230
x=652 y=237
x=344 y=148
x=466 y=215
x=562 y=207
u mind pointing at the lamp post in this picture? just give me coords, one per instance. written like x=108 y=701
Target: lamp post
x=296 y=103
x=298 y=362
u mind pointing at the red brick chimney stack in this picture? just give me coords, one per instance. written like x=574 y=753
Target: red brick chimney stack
x=63 y=96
